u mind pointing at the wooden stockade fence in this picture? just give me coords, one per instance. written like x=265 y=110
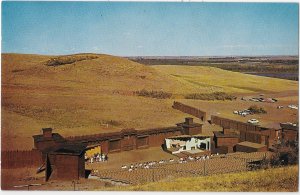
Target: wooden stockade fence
x=106 y=136
x=248 y=132
x=236 y=125
x=19 y=159
x=189 y=110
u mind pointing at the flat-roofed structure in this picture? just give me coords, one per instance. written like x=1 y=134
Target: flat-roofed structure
x=225 y=140
x=250 y=147
x=188 y=143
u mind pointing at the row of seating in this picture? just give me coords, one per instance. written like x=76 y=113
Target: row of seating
x=230 y=163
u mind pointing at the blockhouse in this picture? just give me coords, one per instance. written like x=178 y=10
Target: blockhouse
x=65 y=162
x=226 y=139
x=47 y=139
x=189 y=127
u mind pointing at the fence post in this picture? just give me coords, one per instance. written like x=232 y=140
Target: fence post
x=204 y=167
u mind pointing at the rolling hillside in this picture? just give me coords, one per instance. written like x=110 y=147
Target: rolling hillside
x=210 y=79
x=92 y=93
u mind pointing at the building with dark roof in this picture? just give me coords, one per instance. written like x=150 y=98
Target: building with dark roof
x=250 y=147
x=225 y=140
x=65 y=162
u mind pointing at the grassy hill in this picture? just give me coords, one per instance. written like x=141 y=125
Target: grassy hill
x=210 y=79
x=283 y=179
x=93 y=93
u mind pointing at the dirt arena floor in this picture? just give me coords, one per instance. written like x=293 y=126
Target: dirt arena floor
x=116 y=160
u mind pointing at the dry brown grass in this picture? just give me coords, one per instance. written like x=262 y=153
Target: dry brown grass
x=82 y=97
x=283 y=179
x=77 y=98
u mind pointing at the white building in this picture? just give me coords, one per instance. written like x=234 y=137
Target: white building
x=183 y=143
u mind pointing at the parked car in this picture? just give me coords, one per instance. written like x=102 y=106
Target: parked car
x=289 y=123
x=279 y=107
x=242 y=112
x=254 y=99
x=253 y=121
x=293 y=107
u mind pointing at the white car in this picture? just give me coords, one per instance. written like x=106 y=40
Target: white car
x=253 y=121
x=293 y=107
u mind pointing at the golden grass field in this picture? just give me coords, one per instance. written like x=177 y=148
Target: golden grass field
x=210 y=79
x=271 y=180
x=84 y=96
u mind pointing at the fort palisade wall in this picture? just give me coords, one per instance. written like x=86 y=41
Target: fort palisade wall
x=128 y=139
x=248 y=132
x=190 y=110
x=19 y=159
x=232 y=124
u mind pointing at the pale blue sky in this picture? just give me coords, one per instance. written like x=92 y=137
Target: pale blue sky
x=153 y=28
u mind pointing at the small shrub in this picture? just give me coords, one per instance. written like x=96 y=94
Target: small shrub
x=211 y=96
x=62 y=60
x=256 y=110
x=110 y=122
x=283 y=158
x=153 y=94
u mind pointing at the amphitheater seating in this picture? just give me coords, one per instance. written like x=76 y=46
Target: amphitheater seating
x=233 y=162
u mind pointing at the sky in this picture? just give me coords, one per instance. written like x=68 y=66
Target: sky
x=150 y=29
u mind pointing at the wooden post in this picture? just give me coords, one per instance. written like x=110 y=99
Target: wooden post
x=204 y=167
x=73 y=185
x=152 y=175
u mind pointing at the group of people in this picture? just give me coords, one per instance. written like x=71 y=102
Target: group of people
x=145 y=165
x=190 y=158
x=96 y=158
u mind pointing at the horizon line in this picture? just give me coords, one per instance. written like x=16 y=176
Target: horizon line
x=128 y=56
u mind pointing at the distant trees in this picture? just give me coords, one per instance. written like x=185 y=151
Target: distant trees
x=62 y=60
